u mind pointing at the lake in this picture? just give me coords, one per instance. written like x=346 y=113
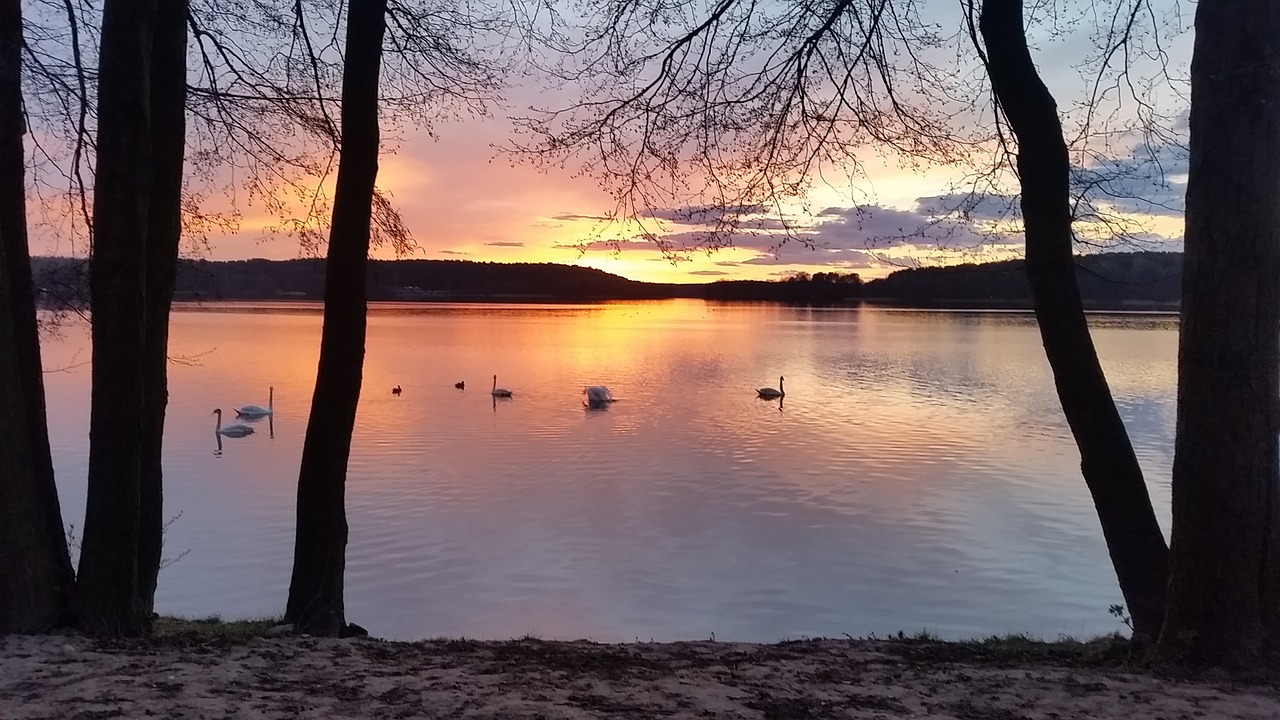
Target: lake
x=918 y=474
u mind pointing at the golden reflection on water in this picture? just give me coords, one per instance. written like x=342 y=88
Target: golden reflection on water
x=918 y=472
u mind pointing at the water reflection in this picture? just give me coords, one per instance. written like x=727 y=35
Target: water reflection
x=252 y=420
x=921 y=474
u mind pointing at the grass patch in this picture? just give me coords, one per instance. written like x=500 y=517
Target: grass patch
x=609 y=661
x=1107 y=650
x=212 y=628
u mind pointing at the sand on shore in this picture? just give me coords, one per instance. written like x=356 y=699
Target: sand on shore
x=192 y=677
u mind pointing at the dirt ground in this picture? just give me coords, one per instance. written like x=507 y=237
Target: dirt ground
x=199 y=677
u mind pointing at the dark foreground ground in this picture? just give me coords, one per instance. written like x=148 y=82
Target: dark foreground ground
x=190 y=674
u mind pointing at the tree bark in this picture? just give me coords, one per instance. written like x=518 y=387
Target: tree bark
x=106 y=598
x=1107 y=461
x=315 y=602
x=164 y=231
x=35 y=572
x=28 y=598
x=1223 y=596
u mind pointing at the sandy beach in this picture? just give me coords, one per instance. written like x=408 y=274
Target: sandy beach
x=194 y=676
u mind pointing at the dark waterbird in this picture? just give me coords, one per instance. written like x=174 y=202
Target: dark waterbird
x=771 y=393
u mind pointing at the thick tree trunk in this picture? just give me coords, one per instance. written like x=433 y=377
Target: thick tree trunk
x=1223 y=596
x=28 y=598
x=319 y=558
x=164 y=231
x=1107 y=460
x=106 y=598
x=35 y=569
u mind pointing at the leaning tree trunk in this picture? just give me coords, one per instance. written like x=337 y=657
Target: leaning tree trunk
x=35 y=569
x=164 y=230
x=1223 y=596
x=319 y=557
x=1107 y=460
x=106 y=597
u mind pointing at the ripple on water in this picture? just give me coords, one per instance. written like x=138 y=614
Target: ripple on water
x=918 y=473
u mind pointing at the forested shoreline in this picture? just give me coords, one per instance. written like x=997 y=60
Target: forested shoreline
x=1137 y=280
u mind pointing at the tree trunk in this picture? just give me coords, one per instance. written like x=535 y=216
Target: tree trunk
x=1107 y=460
x=29 y=598
x=106 y=597
x=1223 y=596
x=35 y=572
x=164 y=231
x=319 y=558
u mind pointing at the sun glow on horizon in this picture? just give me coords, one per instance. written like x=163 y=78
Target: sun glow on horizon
x=460 y=209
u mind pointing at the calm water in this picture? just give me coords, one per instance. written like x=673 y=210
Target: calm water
x=918 y=475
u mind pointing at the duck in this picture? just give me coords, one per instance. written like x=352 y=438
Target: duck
x=396 y=390
x=497 y=391
x=598 y=396
x=257 y=411
x=770 y=393
x=462 y=384
x=234 y=431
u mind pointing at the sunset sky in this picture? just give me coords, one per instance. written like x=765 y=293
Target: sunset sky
x=463 y=200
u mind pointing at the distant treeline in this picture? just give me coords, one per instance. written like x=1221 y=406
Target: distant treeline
x=303 y=279
x=1118 y=280
x=817 y=289
x=1110 y=280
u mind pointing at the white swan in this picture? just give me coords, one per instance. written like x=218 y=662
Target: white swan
x=497 y=391
x=257 y=411
x=235 y=430
x=770 y=393
x=598 y=396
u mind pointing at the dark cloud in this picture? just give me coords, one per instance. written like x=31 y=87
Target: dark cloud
x=842 y=237
x=878 y=228
x=971 y=206
x=692 y=241
x=1146 y=241
x=698 y=240
x=571 y=216
x=818 y=258
x=770 y=223
x=1151 y=180
x=504 y=243
x=849 y=238
x=707 y=272
x=453 y=252
x=610 y=245
x=703 y=214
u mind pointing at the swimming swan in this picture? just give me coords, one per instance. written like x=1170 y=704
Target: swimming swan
x=497 y=391
x=236 y=430
x=257 y=411
x=770 y=393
